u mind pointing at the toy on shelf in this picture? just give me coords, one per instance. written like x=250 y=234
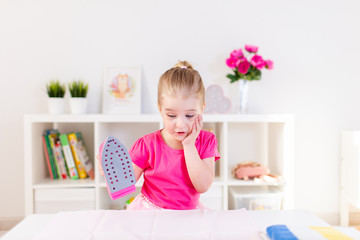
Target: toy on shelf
x=117 y=166
x=254 y=171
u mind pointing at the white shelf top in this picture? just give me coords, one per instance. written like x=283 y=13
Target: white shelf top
x=155 y=118
x=65 y=183
x=93 y=118
x=238 y=182
x=217 y=182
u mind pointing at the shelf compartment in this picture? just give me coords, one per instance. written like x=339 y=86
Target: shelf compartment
x=40 y=173
x=256 y=142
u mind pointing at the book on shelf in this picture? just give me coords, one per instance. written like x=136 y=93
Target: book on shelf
x=47 y=157
x=54 y=171
x=60 y=157
x=66 y=155
x=80 y=167
x=57 y=154
x=70 y=162
x=83 y=155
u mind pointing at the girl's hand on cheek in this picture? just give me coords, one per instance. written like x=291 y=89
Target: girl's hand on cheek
x=196 y=128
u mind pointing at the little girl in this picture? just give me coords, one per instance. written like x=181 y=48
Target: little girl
x=178 y=161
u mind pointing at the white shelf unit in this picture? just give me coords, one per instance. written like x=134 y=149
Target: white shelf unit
x=265 y=138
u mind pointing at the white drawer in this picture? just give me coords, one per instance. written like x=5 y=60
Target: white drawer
x=64 y=199
x=257 y=199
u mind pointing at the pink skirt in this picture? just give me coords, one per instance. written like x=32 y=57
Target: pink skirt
x=143 y=203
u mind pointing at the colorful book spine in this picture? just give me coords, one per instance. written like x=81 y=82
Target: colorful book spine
x=60 y=158
x=83 y=155
x=51 y=156
x=68 y=157
x=72 y=142
x=47 y=157
x=52 y=137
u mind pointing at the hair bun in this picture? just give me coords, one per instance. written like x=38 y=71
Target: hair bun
x=183 y=64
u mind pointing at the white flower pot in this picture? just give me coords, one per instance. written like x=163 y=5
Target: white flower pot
x=56 y=105
x=78 y=105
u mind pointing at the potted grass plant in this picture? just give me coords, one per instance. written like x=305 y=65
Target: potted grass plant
x=78 y=101
x=56 y=92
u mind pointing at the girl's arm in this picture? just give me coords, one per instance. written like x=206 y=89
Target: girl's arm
x=201 y=172
x=137 y=171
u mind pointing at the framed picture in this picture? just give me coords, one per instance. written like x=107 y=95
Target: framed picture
x=122 y=90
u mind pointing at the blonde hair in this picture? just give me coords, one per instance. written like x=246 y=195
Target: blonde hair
x=182 y=78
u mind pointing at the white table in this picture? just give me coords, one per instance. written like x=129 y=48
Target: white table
x=298 y=221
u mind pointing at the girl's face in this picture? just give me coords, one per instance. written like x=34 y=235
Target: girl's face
x=178 y=115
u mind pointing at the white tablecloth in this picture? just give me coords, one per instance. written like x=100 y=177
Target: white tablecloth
x=194 y=224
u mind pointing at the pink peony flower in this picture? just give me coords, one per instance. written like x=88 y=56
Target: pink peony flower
x=237 y=53
x=243 y=65
x=232 y=62
x=269 y=64
x=247 y=64
x=257 y=61
x=251 y=48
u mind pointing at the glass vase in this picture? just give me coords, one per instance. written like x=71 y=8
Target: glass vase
x=242 y=101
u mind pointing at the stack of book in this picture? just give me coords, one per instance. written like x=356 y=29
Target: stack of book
x=66 y=155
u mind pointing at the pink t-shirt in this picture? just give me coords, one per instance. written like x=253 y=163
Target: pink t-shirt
x=166 y=180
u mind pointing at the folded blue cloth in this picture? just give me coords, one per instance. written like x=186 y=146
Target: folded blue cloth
x=280 y=232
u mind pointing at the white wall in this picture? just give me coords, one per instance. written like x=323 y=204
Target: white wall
x=314 y=44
